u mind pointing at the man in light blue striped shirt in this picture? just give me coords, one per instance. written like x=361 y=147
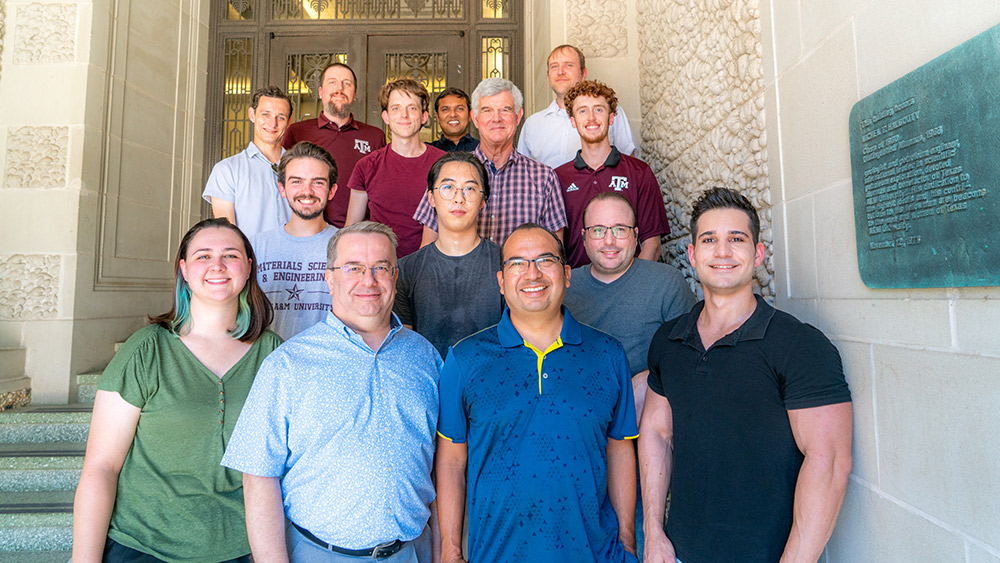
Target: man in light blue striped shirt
x=336 y=438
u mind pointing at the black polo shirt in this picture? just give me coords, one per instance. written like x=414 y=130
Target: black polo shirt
x=468 y=143
x=735 y=459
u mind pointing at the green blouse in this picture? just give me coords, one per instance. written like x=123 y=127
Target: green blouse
x=174 y=500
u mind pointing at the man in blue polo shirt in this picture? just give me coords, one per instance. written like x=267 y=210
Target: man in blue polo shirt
x=537 y=415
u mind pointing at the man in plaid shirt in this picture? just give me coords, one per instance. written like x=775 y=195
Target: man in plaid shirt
x=522 y=190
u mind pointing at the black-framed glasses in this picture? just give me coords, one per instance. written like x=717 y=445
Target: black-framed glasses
x=617 y=231
x=380 y=271
x=469 y=193
x=544 y=263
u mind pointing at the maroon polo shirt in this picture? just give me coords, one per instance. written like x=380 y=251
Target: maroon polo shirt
x=620 y=173
x=395 y=185
x=347 y=145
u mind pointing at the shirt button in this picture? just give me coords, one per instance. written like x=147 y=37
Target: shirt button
x=704 y=358
x=222 y=401
x=545 y=376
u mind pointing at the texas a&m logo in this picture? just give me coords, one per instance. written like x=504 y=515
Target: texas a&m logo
x=362 y=146
x=619 y=183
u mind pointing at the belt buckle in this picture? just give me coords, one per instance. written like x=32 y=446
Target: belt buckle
x=377 y=550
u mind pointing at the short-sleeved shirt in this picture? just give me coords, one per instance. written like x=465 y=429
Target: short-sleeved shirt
x=521 y=191
x=395 y=185
x=349 y=430
x=537 y=424
x=291 y=271
x=249 y=181
x=446 y=298
x=467 y=143
x=632 y=307
x=548 y=136
x=735 y=458
x=630 y=177
x=174 y=500
x=347 y=145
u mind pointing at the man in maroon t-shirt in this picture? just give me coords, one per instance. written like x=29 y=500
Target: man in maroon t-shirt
x=599 y=167
x=338 y=132
x=390 y=182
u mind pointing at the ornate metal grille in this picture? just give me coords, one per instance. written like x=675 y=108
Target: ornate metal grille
x=496 y=9
x=496 y=57
x=369 y=9
x=239 y=9
x=303 y=73
x=429 y=69
x=238 y=62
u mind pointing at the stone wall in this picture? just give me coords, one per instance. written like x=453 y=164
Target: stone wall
x=102 y=113
x=923 y=364
x=702 y=91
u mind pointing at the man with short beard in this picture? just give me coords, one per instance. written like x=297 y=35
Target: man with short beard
x=291 y=259
x=601 y=167
x=336 y=130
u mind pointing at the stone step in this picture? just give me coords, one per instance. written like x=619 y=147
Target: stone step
x=37 y=502
x=37 y=557
x=40 y=473
x=36 y=532
x=86 y=388
x=45 y=423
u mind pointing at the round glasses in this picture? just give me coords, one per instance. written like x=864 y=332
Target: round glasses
x=469 y=193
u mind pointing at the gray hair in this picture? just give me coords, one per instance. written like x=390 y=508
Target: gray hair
x=364 y=227
x=494 y=86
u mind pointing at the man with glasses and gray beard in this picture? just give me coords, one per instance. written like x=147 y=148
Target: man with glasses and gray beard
x=445 y=290
x=536 y=423
x=336 y=439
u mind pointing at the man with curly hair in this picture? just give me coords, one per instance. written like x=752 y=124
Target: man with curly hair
x=600 y=167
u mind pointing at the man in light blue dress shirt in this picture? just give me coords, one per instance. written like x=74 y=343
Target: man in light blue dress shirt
x=336 y=439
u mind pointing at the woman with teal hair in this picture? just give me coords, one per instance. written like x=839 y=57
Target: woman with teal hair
x=152 y=488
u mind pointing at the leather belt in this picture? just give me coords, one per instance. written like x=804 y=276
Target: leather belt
x=380 y=551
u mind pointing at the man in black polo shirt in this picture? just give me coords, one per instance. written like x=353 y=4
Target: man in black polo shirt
x=451 y=108
x=748 y=415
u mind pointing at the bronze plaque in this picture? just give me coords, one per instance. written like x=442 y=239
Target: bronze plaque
x=925 y=165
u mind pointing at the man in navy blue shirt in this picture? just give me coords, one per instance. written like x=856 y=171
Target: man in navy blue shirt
x=537 y=417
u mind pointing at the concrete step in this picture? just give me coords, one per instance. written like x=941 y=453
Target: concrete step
x=36 y=532
x=40 y=473
x=37 y=502
x=86 y=388
x=45 y=423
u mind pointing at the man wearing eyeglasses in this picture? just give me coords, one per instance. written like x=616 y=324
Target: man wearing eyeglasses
x=445 y=290
x=336 y=439
x=600 y=167
x=621 y=295
x=536 y=423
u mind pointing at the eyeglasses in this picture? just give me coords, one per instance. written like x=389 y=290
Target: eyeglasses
x=380 y=271
x=544 y=263
x=599 y=231
x=469 y=193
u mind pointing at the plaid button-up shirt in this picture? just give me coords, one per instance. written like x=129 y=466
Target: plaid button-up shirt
x=521 y=191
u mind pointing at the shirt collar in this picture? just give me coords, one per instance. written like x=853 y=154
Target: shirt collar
x=510 y=338
x=554 y=108
x=613 y=159
x=753 y=328
x=254 y=151
x=338 y=326
x=322 y=122
x=511 y=160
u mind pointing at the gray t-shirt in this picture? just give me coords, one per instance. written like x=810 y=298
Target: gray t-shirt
x=446 y=298
x=632 y=307
x=291 y=270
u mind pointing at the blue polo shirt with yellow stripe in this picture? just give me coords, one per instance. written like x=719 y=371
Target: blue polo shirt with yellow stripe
x=537 y=424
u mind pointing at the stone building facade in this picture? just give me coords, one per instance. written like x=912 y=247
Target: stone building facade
x=102 y=125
